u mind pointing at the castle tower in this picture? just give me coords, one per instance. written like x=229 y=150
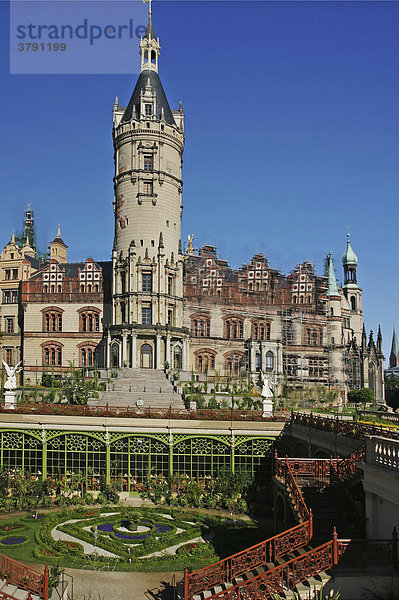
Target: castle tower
x=352 y=291
x=147 y=321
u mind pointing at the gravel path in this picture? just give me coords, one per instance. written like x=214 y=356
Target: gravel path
x=87 y=548
x=172 y=549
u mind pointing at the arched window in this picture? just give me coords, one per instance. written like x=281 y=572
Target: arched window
x=52 y=319
x=177 y=357
x=87 y=355
x=332 y=311
x=205 y=361
x=261 y=330
x=52 y=354
x=89 y=319
x=353 y=303
x=233 y=364
x=372 y=378
x=269 y=361
x=201 y=327
x=234 y=328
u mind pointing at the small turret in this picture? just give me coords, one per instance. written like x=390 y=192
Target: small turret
x=58 y=248
x=349 y=262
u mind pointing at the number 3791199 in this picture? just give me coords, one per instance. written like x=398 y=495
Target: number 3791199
x=42 y=47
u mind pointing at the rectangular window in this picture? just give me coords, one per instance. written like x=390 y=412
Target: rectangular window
x=146 y=315
x=148 y=187
x=148 y=110
x=170 y=286
x=10 y=325
x=15 y=273
x=170 y=316
x=8 y=353
x=6 y=297
x=146 y=280
x=14 y=297
x=7 y=274
x=148 y=163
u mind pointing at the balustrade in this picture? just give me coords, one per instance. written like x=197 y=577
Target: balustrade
x=24 y=577
x=383 y=452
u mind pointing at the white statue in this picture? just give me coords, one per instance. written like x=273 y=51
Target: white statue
x=11 y=382
x=267 y=395
x=266 y=391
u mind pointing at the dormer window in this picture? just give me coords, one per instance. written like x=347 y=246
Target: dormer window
x=148 y=110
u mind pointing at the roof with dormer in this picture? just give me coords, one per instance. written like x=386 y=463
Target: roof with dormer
x=149 y=78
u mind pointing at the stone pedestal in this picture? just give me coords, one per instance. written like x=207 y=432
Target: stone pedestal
x=267 y=407
x=10 y=400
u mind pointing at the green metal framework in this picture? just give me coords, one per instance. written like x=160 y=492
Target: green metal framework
x=88 y=457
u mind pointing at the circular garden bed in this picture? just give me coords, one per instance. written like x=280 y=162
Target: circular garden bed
x=120 y=538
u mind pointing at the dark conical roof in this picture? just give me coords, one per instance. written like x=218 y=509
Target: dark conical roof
x=162 y=102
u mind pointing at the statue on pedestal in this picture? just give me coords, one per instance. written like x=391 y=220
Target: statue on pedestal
x=267 y=395
x=11 y=384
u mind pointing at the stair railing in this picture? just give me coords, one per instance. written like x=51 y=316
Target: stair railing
x=285 y=577
x=24 y=577
x=258 y=555
x=289 y=574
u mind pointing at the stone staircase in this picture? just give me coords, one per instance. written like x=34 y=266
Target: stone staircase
x=8 y=591
x=148 y=388
x=329 y=510
x=304 y=590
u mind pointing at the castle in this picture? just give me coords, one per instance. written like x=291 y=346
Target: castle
x=155 y=305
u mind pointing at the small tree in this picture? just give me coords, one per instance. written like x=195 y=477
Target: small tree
x=363 y=396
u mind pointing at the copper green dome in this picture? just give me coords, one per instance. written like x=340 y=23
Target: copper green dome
x=349 y=257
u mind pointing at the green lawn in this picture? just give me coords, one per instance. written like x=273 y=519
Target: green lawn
x=228 y=539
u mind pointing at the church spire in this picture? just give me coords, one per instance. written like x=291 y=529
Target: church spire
x=393 y=357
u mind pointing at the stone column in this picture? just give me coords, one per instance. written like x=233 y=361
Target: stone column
x=252 y=357
x=124 y=347
x=134 y=351
x=168 y=356
x=185 y=356
x=158 y=353
x=108 y=350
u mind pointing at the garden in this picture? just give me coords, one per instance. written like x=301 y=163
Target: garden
x=126 y=538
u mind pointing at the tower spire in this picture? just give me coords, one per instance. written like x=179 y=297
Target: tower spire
x=149 y=45
x=393 y=357
x=332 y=288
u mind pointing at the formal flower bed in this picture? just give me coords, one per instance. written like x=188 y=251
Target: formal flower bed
x=128 y=538
x=12 y=540
x=11 y=526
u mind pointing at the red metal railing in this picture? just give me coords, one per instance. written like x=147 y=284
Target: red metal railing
x=347 y=467
x=348 y=428
x=286 y=576
x=260 y=554
x=289 y=574
x=24 y=577
x=233 y=566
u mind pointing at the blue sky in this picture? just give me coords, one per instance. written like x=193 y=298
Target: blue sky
x=291 y=136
